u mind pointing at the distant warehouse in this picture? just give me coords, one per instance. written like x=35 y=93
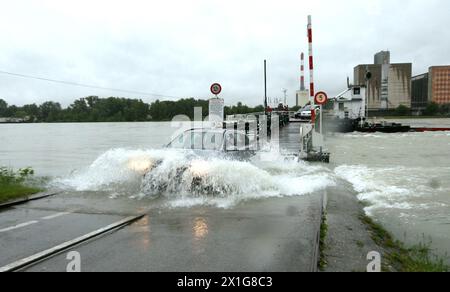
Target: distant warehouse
x=433 y=86
x=419 y=95
x=389 y=85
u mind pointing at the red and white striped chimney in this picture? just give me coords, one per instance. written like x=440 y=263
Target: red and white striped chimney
x=302 y=72
x=311 y=60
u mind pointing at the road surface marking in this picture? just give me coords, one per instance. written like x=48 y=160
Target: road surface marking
x=55 y=215
x=54 y=250
x=18 y=226
x=34 y=222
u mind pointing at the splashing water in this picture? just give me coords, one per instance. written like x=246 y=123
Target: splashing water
x=401 y=188
x=185 y=179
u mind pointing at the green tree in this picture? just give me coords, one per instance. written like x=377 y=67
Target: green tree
x=259 y=109
x=114 y=109
x=92 y=101
x=50 y=112
x=403 y=110
x=78 y=111
x=3 y=108
x=432 y=109
x=31 y=110
x=11 y=111
x=445 y=109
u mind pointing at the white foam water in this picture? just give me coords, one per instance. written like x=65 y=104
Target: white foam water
x=187 y=180
x=391 y=187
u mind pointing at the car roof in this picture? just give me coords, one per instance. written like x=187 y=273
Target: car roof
x=213 y=130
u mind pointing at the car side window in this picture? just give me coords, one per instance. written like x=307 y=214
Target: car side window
x=241 y=142
x=179 y=142
x=212 y=141
x=196 y=140
x=229 y=141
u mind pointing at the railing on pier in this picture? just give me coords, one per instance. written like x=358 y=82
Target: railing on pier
x=283 y=117
x=311 y=141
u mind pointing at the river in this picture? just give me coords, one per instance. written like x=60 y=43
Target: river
x=403 y=179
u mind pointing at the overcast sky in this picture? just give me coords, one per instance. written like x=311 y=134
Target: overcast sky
x=178 y=48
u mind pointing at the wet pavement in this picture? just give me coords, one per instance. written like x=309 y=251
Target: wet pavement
x=269 y=235
x=24 y=232
x=275 y=234
x=290 y=138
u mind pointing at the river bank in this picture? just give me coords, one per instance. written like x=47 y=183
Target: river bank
x=348 y=236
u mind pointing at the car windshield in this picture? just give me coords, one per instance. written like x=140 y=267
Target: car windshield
x=212 y=140
x=198 y=140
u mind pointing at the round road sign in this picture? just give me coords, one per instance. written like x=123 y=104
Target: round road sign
x=216 y=89
x=321 y=98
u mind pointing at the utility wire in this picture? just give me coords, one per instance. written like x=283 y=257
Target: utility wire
x=85 y=85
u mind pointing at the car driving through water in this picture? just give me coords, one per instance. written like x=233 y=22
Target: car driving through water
x=198 y=146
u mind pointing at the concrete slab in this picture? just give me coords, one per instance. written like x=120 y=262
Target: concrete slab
x=290 y=138
x=348 y=242
x=24 y=232
x=274 y=235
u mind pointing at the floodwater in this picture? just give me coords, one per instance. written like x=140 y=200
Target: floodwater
x=404 y=179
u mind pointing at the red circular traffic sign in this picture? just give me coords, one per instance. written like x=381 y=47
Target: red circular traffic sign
x=321 y=98
x=216 y=89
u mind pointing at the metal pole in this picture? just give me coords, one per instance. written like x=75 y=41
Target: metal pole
x=367 y=94
x=265 y=86
x=321 y=121
x=367 y=101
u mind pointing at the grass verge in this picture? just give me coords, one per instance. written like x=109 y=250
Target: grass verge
x=13 y=185
x=9 y=192
x=418 y=258
x=322 y=245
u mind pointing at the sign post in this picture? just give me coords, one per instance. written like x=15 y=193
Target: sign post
x=216 y=106
x=321 y=98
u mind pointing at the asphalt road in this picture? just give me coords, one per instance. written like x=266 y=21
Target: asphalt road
x=267 y=235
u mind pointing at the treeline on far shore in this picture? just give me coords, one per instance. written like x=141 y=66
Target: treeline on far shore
x=112 y=109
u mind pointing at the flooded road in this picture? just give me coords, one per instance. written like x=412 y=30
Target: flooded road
x=262 y=215
x=276 y=234
x=403 y=179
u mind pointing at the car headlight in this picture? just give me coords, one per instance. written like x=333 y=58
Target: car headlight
x=200 y=168
x=140 y=164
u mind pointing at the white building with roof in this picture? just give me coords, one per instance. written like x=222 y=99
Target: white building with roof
x=351 y=103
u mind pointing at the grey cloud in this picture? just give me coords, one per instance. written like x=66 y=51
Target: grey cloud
x=179 y=48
